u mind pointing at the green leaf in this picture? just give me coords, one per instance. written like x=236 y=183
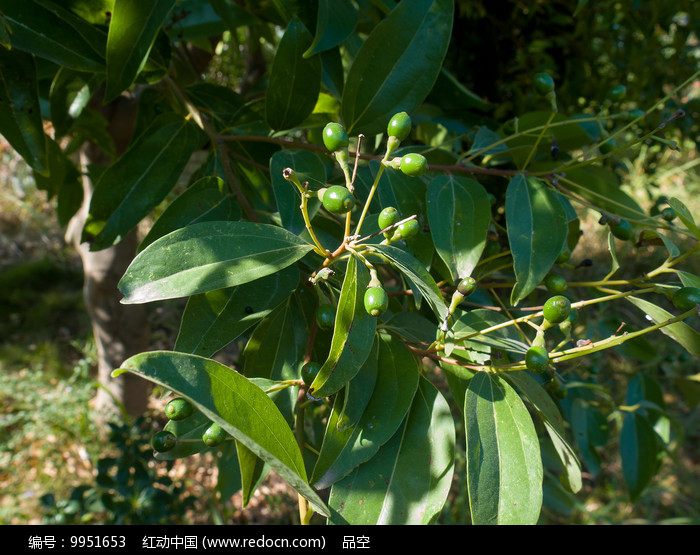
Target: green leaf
x=504 y=466
x=589 y=428
x=207 y=256
x=685 y=216
x=132 y=32
x=537 y=231
x=468 y=323
x=554 y=423
x=346 y=444
x=225 y=107
x=639 y=451
x=353 y=334
x=421 y=281
x=70 y=92
x=484 y=139
x=49 y=31
x=680 y=331
x=140 y=179
x=20 y=112
x=601 y=187
x=408 y=480
x=207 y=200
x=294 y=81
x=397 y=65
x=308 y=167
x=253 y=471
x=459 y=213
x=212 y=320
x=336 y=19
x=236 y=404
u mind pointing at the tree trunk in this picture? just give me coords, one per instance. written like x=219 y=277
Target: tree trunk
x=119 y=330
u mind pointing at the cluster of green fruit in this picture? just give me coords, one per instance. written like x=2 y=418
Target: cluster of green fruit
x=177 y=410
x=339 y=199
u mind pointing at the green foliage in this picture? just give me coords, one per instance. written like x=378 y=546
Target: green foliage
x=446 y=203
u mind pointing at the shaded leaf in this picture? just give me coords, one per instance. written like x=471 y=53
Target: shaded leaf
x=294 y=81
x=336 y=19
x=537 y=231
x=680 y=331
x=212 y=320
x=408 y=480
x=639 y=451
x=459 y=213
x=236 y=404
x=132 y=31
x=140 y=179
x=397 y=64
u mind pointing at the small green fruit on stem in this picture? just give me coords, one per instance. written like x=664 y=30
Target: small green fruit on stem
x=214 y=435
x=536 y=359
x=335 y=137
x=556 y=309
x=555 y=283
x=179 y=409
x=337 y=199
x=309 y=372
x=543 y=83
x=399 y=126
x=406 y=230
x=621 y=229
x=376 y=301
x=325 y=316
x=414 y=165
x=163 y=441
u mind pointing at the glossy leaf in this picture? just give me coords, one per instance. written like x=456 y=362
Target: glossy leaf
x=680 y=331
x=353 y=334
x=335 y=20
x=504 y=467
x=459 y=213
x=639 y=452
x=208 y=256
x=207 y=200
x=49 y=31
x=408 y=480
x=132 y=31
x=236 y=404
x=140 y=179
x=308 y=167
x=554 y=424
x=537 y=231
x=345 y=446
x=20 y=112
x=212 y=320
x=467 y=324
x=418 y=276
x=397 y=65
x=69 y=94
x=294 y=81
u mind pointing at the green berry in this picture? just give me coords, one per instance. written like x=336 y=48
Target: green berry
x=536 y=359
x=376 y=301
x=543 y=83
x=407 y=229
x=686 y=298
x=414 y=165
x=467 y=286
x=179 y=409
x=163 y=441
x=555 y=283
x=214 y=435
x=668 y=214
x=617 y=93
x=388 y=217
x=564 y=255
x=325 y=316
x=309 y=372
x=621 y=229
x=337 y=199
x=399 y=126
x=334 y=137
x=556 y=309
